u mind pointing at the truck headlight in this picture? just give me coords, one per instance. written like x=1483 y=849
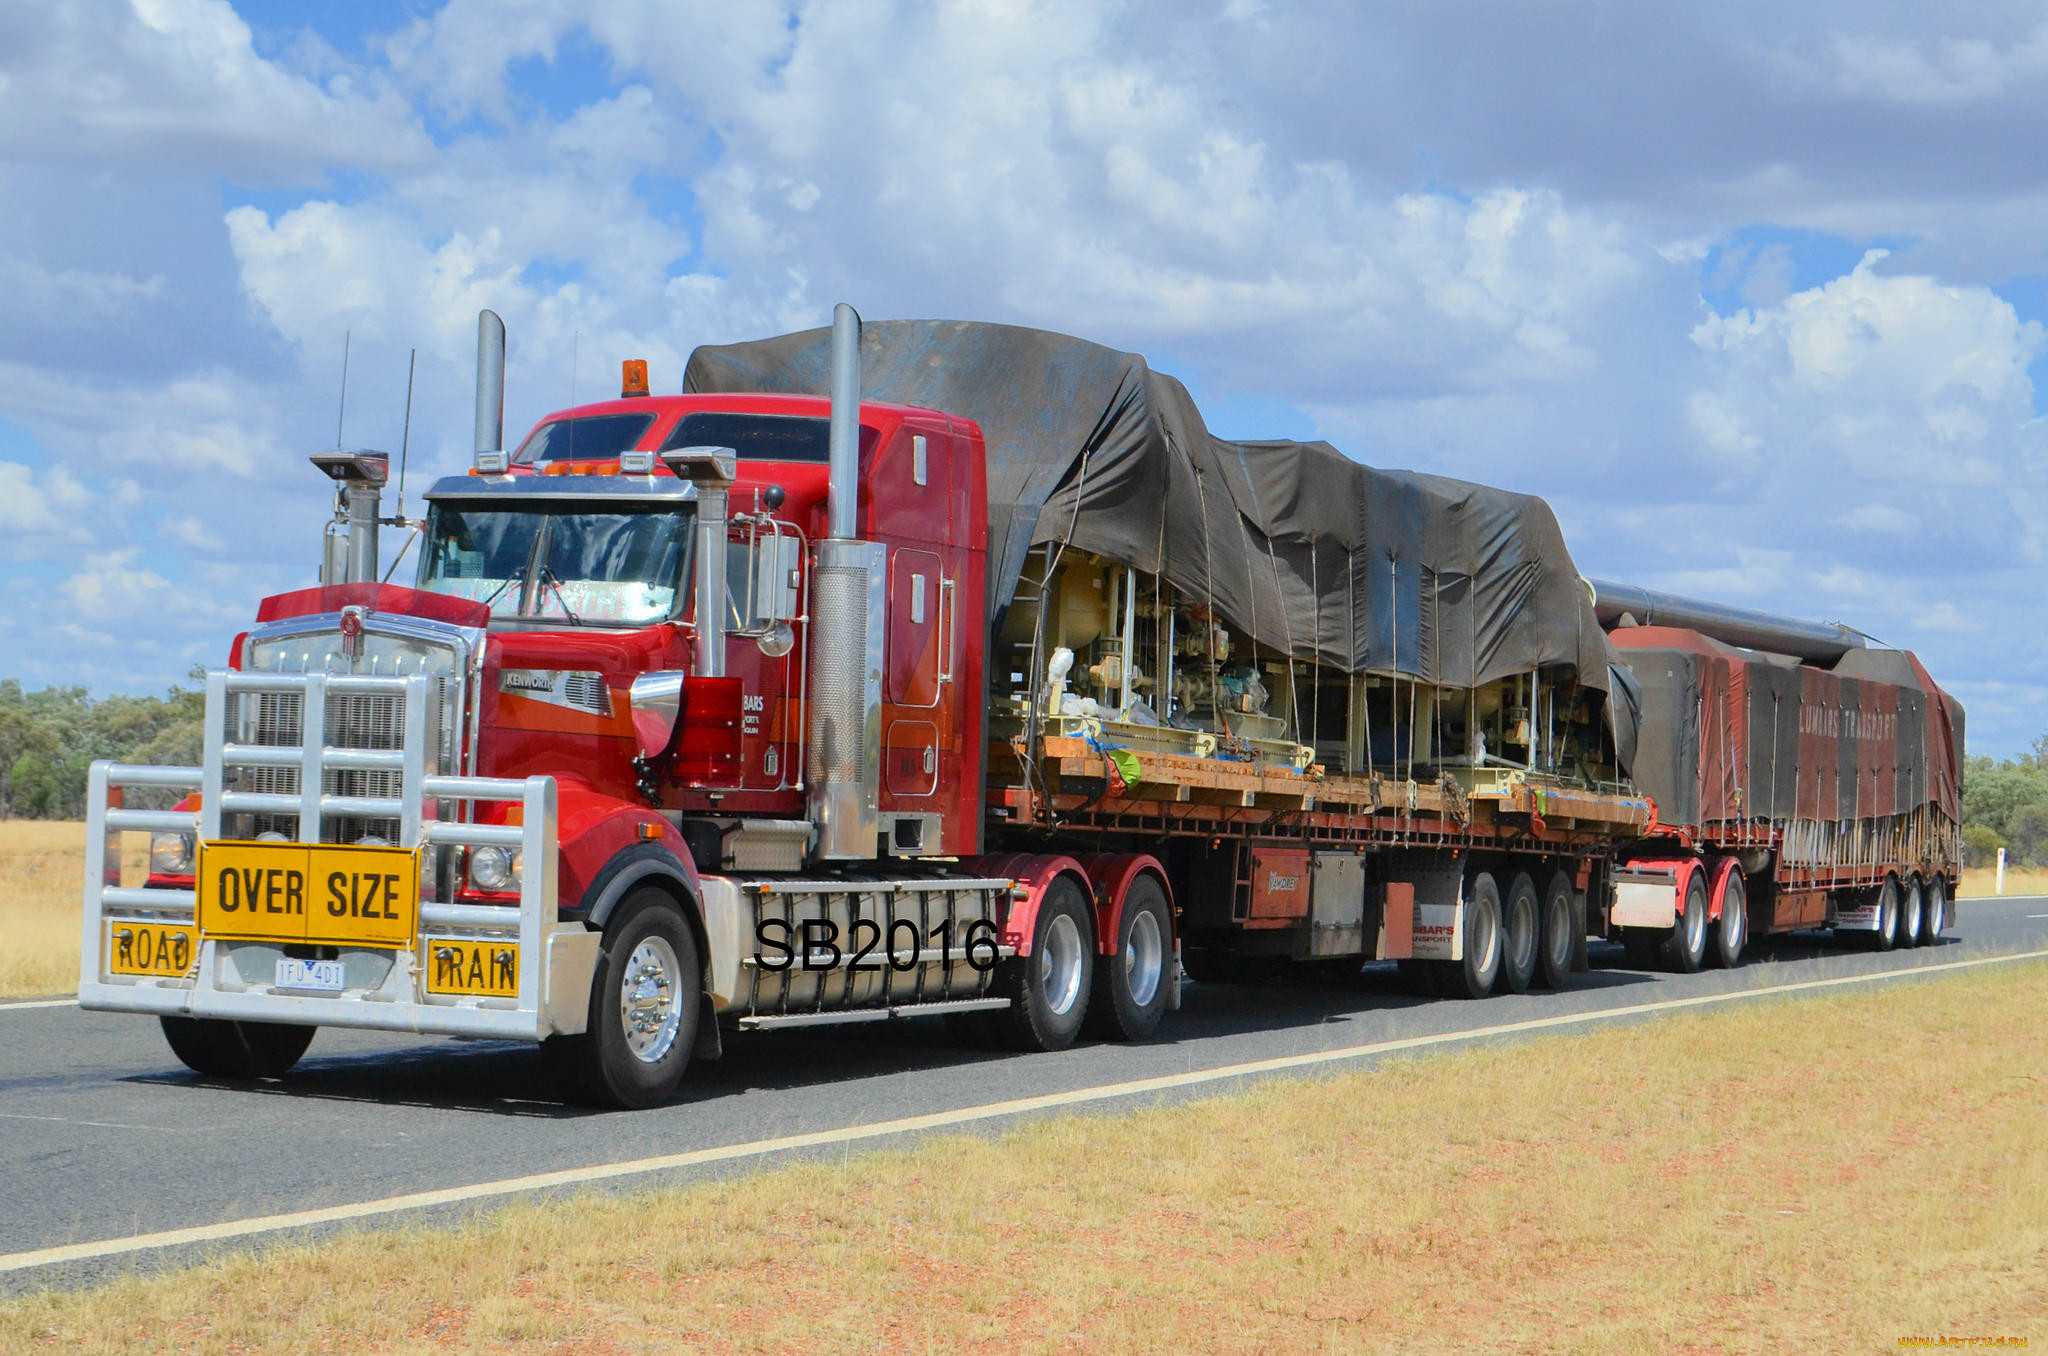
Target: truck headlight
x=170 y=854
x=494 y=868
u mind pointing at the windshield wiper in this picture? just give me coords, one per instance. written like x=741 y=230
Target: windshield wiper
x=550 y=581
x=518 y=578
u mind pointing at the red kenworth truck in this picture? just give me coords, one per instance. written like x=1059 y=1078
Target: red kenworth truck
x=958 y=670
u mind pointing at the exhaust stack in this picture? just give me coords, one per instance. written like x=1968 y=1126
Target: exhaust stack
x=843 y=503
x=844 y=747
x=1814 y=642
x=490 y=391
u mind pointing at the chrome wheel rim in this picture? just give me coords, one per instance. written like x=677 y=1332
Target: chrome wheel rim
x=1523 y=939
x=1560 y=934
x=1144 y=958
x=648 y=1011
x=1695 y=930
x=1909 y=921
x=1486 y=922
x=1059 y=965
x=1937 y=911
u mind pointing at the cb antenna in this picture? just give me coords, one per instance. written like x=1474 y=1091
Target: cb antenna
x=343 y=412
x=405 y=439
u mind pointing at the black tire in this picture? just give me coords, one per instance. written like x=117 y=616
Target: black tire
x=1936 y=918
x=1473 y=977
x=1521 y=935
x=649 y=946
x=1912 y=911
x=1685 y=947
x=1048 y=990
x=1554 y=926
x=1731 y=931
x=1130 y=987
x=225 y=1049
x=1887 y=934
x=1644 y=947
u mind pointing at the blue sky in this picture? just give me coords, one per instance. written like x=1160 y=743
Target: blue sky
x=1755 y=299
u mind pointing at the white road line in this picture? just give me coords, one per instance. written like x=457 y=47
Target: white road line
x=420 y=1200
x=39 y=1003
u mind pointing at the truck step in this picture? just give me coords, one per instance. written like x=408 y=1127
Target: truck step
x=779 y=1021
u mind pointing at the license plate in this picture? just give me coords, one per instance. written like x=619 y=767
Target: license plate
x=135 y=948
x=489 y=969
x=323 y=976
x=306 y=892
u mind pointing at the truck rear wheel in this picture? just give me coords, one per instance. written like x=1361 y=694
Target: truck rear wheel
x=1912 y=911
x=225 y=1049
x=1130 y=987
x=1473 y=976
x=1886 y=935
x=1048 y=989
x=1732 y=934
x=1936 y=919
x=1685 y=946
x=644 y=1002
x=1521 y=935
x=1554 y=956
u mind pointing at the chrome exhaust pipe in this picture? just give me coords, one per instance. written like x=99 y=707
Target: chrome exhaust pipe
x=843 y=752
x=843 y=501
x=490 y=382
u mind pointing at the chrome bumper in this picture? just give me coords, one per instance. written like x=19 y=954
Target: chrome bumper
x=555 y=959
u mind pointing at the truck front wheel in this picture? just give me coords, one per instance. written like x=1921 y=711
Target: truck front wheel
x=224 y=1049
x=1048 y=989
x=1130 y=987
x=644 y=1001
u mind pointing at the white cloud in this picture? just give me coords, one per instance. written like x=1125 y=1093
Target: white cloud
x=41 y=513
x=180 y=80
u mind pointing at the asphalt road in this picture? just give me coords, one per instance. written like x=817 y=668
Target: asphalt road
x=104 y=1136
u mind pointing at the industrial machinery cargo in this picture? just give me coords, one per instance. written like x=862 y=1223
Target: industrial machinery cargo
x=957 y=670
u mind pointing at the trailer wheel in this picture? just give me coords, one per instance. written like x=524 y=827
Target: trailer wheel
x=1912 y=911
x=1685 y=946
x=644 y=1002
x=226 y=1049
x=1733 y=933
x=1473 y=976
x=1048 y=989
x=1886 y=935
x=1554 y=955
x=1130 y=987
x=1937 y=912
x=1521 y=936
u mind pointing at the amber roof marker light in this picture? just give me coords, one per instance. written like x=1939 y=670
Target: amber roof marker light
x=632 y=378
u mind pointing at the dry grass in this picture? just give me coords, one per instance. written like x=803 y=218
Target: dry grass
x=42 y=871
x=1826 y=1175
x=1980 y=882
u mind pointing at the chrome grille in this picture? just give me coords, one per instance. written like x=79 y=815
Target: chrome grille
x=353 y=721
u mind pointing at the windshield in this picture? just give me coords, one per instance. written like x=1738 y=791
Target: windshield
x=592 y=436
x=621 y=567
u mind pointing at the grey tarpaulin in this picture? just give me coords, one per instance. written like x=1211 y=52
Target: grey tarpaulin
x=1309 y=551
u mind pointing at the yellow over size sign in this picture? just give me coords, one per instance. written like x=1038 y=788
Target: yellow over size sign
x=301 y=892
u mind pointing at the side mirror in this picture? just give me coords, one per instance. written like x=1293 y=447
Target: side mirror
x=657 y=703
x=776 y=639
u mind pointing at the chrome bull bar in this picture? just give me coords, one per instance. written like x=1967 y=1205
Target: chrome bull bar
x=556 y=959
